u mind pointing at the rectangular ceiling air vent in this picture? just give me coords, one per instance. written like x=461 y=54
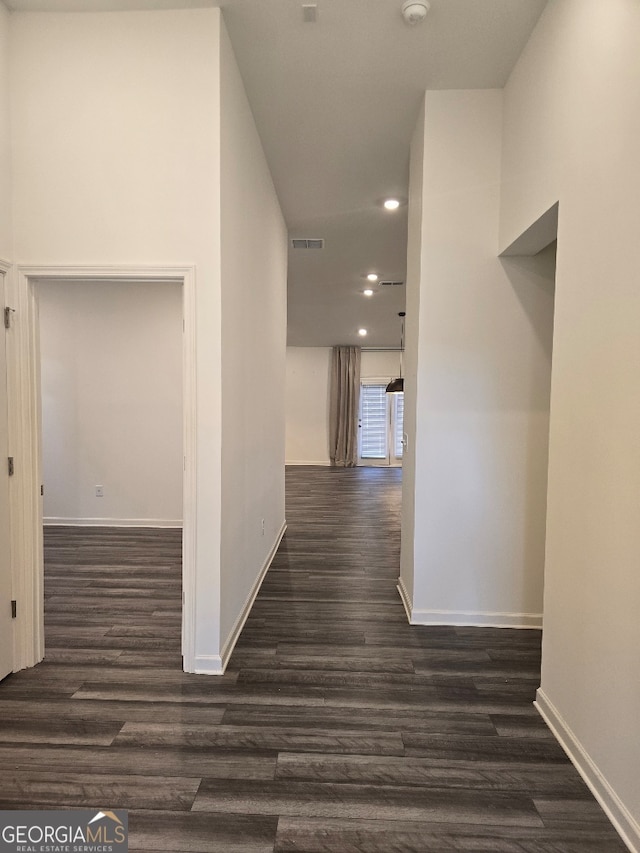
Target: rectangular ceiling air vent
x=307 y=243
x=391 y=283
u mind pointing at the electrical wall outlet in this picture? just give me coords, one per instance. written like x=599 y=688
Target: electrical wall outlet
x=99 y=491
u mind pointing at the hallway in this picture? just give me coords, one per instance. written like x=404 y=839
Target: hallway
x=337 y=727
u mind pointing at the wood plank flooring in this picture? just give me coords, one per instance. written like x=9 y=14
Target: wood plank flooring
x=337 y=727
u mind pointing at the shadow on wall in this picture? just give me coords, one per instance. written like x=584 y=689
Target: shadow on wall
x=532 y=278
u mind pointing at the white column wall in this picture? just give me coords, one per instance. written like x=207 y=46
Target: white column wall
x=571 y=130
x=482 y=358
x=116 y=161
x=413 y=382
x=254 y=293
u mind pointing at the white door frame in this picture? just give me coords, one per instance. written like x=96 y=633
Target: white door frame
x=8 y=655
x=25 y=428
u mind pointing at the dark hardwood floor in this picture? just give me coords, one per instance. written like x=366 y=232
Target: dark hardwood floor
x=337 y=727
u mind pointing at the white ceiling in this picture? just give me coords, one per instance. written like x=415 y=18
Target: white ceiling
x=103 y=5
x=335 y=103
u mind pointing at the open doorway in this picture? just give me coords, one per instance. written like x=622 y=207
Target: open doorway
x=26 y=435
x=112 y=446
x=381 y=415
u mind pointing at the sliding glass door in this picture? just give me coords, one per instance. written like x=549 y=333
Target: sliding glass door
x=380 y=434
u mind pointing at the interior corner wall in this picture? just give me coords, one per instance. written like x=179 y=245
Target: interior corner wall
x=116 y=161
x=482 y=362
x=254 y=278
x=111 y=380
x=571 y=127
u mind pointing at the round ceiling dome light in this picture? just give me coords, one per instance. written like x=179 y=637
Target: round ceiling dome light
x=415 y=11
x=372 y=276
x=362 y=332
x=368 y=292
x=392 y=204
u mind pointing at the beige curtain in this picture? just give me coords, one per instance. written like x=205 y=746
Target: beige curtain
x=345 y=399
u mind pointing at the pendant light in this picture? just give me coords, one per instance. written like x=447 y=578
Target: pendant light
x=396 y=386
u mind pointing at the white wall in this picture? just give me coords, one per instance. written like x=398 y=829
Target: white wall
x=482 y=388
x=412 y=330
x=307 y=398
x=572 y=123
x=115 y=130
x=111 y=379
x=381 y=365
x=307 y=405
x=6 y=237
x=254 y=278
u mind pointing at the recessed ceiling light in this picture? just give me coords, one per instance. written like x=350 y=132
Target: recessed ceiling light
x=362 y=332
x=372 y=276
x=368 y=292
x=392 y=204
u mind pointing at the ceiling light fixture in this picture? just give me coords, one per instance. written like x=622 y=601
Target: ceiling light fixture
x=396 y=386
x=362 y=332
x=368 y=292
x=415 y=11
x=392 y=204
x=372 y=276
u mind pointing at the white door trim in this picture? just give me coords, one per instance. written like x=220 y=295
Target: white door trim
x=8 y=656
x=23 y=368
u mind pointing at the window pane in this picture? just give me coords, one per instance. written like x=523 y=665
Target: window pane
x=399 y=424
x=373 y=438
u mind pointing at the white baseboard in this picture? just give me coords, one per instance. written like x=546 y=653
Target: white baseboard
x=405 y=598
x=232 y=639
x=53 y=521
x=324 y=464
x=625 y=824
x=466 y=619
x=475 y=619
x=208 y=665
